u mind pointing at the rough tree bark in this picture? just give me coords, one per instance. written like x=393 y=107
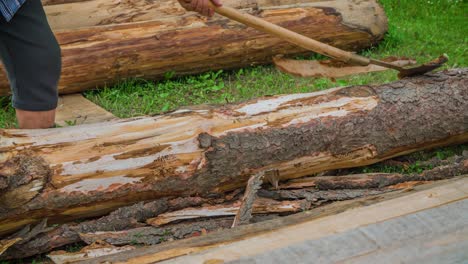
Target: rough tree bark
x=89 y=170
x=379 y=180
x=148 y=39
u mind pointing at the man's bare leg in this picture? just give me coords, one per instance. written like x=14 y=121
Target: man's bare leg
x=34 y=120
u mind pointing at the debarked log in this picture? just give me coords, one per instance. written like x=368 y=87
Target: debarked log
x=90 y=170
x=105 y=41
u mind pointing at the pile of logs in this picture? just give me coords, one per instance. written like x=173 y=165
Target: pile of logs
x=104 y=41
x=153 y=179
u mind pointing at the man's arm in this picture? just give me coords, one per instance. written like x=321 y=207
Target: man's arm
x=201 y=6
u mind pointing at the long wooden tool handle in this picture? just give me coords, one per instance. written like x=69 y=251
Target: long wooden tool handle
x=291 y=36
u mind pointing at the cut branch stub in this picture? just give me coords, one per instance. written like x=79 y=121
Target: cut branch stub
x=22 y=178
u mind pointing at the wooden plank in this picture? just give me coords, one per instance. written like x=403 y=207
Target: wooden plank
x=74 y=109
x=253 y=232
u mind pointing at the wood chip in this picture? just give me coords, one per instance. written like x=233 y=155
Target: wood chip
x=7 y=243
x=244 y=214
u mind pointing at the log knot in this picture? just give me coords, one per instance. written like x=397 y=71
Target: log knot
x=204 y=140
x=22 y=178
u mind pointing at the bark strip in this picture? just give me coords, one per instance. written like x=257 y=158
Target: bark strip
x=96 y=250
x=244 y=214
x=314 y=196
x=260 y=206
x=331 y=69
x=380 y=180
x=155 y=235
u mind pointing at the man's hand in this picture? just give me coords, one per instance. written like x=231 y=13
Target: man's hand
x=204 y=7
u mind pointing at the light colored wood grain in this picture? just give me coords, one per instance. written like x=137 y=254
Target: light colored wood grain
x=94 y=250
x=260 y=206
x=74 y=109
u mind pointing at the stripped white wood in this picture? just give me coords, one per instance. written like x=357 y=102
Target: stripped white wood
x=90 y=252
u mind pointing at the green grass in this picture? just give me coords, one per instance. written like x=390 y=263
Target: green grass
x=7 y=114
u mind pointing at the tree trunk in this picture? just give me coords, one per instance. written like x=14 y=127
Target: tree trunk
x=89 y=170
x=106 y=41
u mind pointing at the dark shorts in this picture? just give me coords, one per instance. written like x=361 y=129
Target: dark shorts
x=31 y=56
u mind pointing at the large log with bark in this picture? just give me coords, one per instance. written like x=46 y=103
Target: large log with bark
x=89 y=170
x=106 y=41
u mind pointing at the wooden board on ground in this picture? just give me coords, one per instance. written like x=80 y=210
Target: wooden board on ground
x=431 y=220
x=74 y=109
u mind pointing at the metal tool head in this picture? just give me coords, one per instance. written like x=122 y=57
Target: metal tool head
x=424 y=68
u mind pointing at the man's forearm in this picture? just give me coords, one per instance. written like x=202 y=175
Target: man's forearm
x=203 y=7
